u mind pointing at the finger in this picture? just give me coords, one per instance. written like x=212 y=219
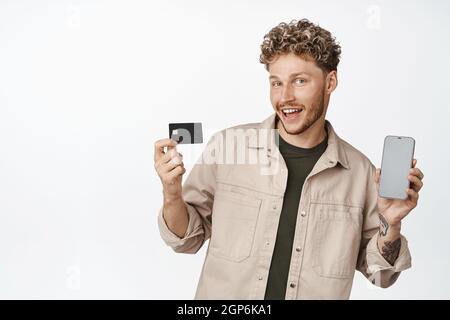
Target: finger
x=413 y=194
x=170 y=154
x=175 y=173
x=414 y=163
x=172 y=164
x=416 y=183
x=377 y=179
x=377 y=175
x=159 y=147
x=416 y=172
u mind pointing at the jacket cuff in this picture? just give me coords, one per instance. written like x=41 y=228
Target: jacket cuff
x=376 y=262
x=171 y=238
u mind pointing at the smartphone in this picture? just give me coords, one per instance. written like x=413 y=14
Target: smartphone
x=398 y=153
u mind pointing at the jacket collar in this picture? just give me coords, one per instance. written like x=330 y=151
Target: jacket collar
x=335 y=151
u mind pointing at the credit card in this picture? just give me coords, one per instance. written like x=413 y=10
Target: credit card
x=186 y=133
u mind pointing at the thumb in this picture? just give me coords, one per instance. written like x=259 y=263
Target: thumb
x=171 y=148
x=377 y=178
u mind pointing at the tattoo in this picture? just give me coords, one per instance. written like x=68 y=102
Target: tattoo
x=391 y=250
x=384 y=225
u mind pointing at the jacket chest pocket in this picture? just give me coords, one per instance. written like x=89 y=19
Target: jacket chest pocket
x=234 y=219
x=337 y=236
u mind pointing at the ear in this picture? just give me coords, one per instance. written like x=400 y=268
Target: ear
x=331 y=81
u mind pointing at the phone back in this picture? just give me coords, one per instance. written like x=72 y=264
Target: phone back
x=398 y=153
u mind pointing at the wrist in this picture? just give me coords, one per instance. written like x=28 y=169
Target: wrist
x=172 y=199
x=395 y=226
x=389 y=228
x=394 y=223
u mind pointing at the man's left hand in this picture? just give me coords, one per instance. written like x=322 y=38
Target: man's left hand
x=394 y=210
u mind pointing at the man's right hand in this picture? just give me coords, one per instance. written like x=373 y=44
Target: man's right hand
x=170 y=168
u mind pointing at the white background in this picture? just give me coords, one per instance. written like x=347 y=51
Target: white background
x=86 y=87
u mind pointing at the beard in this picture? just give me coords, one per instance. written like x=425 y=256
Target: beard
x=309 y=117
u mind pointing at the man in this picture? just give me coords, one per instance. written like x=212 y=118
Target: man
x=297 y=223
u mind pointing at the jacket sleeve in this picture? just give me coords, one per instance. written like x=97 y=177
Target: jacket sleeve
x=370 y=261
x=198 y=193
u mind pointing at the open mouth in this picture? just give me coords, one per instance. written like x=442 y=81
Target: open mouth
x=290 y=114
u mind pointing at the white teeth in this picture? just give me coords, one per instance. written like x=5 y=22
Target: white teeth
x=290 y=110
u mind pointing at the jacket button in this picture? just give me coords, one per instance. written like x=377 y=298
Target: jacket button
x=274 y=207
x=303 y=213
x=298 y=249
x=260 y=278
x=292 y=285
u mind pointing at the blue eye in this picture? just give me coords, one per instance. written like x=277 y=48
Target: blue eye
x=300 y=81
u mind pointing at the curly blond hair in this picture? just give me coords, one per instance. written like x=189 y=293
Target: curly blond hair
x=303 y=38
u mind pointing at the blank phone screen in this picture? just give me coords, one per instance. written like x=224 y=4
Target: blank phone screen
x=397 y=159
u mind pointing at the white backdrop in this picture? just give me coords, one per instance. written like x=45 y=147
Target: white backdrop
x=86 y=87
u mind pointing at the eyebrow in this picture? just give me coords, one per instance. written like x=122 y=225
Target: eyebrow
x=291 y=76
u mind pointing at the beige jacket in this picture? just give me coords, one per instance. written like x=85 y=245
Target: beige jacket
x=237 y=206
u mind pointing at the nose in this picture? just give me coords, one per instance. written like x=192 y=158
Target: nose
x=287 y=95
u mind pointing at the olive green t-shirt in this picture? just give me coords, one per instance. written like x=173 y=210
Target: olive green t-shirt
x=300 y=162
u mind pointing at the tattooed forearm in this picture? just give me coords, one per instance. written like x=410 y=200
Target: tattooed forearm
x=389 y=241
x=384 y=225
x=390 y=250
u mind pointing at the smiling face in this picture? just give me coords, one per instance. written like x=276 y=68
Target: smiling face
x=299 y=92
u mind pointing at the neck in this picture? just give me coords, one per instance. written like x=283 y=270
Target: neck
x=308 y=138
